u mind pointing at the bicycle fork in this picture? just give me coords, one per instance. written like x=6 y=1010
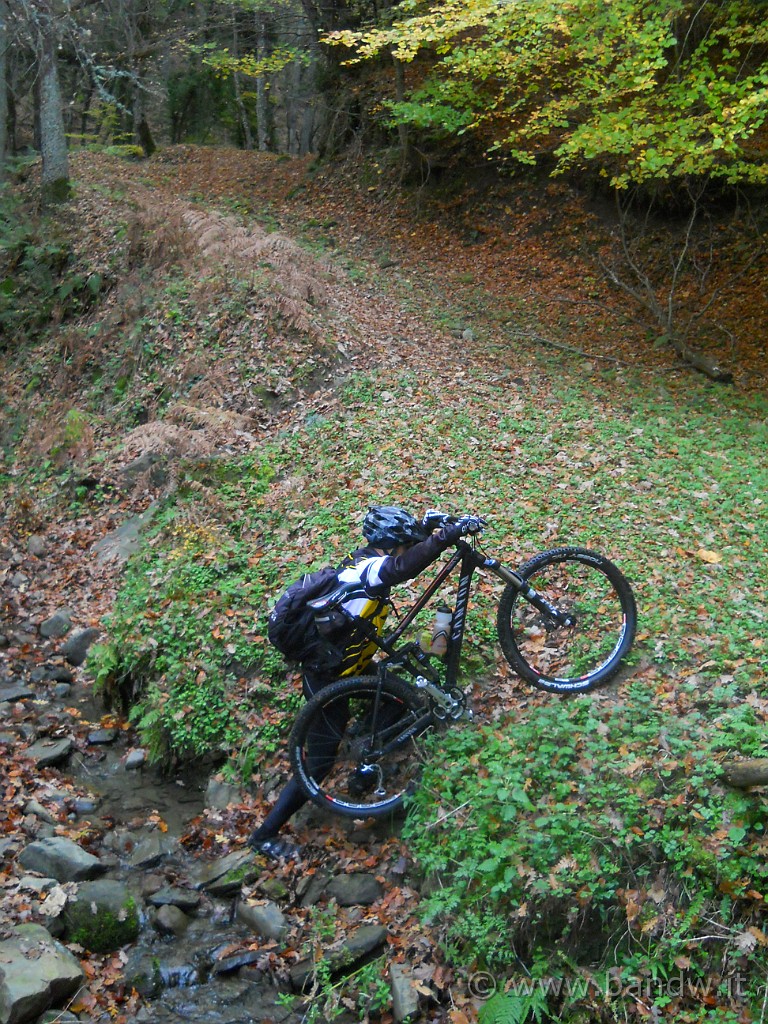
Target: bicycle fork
x=531 y=595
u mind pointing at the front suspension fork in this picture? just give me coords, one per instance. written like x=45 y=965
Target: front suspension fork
x=531 y=595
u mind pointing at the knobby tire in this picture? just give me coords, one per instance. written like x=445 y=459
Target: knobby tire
x=568 y=659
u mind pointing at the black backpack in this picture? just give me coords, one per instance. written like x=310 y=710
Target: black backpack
x=291 y=627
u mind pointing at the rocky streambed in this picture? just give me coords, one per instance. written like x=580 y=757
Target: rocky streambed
x=108 y=908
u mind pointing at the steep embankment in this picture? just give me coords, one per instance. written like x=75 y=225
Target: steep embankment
x=263 y=390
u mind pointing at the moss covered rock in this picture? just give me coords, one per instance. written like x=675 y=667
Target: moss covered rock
x=102 y=917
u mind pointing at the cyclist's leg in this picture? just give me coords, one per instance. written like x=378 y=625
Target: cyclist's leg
x=325 y=743
x=327 y=729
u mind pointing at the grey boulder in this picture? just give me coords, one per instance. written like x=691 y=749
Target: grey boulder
x=36 y=973
x=60 y=858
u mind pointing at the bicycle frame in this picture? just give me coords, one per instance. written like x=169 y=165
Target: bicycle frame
x=424 y=672
x=469 y=561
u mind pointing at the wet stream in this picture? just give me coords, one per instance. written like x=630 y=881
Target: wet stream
x=191 y=960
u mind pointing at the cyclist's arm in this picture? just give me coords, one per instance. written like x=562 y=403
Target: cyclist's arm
x=392 y=569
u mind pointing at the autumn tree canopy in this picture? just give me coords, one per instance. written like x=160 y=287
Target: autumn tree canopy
x=639 y=90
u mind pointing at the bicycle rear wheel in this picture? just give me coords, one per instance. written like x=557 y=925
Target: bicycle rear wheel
x=354 y=747
x=599 y=603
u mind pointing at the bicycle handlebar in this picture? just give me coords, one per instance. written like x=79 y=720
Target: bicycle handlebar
x=433 y=520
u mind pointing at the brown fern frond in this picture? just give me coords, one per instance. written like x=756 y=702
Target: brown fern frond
x=292 y=311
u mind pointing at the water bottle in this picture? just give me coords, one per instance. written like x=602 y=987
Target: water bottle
x=441 y=631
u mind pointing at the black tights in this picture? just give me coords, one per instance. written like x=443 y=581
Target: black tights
x=322 y=744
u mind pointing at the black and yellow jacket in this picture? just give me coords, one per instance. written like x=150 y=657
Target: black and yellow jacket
x=376 y=575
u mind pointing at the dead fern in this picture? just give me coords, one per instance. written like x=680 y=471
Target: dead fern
x=291 y=310
x=219 y=422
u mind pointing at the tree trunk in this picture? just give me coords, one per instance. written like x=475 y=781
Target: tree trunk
x=743 y=774
x=262 y=93
x=3 y=87
x=709 y=367
x=142 y=134
x=53 y=142
x=242 y=113
x=402 y=129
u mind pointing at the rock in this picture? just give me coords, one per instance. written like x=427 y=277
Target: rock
x=184 y=899
x=142 y=972
x=58 y=1017
x=102 y=917
x=61 y=859
x=36 y=884
x=148 y=464
x=354 y=889
x=57 y=626
x=37 y=675
x=150 y=850
x=219 y=795
x=151 y=884
x=84 y=805
x=274 y=888
x=263 y=918
x=135 y=760
x=37 y=973
x=47 y=752
x=171 y=920
x=360 y=944
x=405 y=998
x=59 y=674
x=310 y=889
x=226 y=875
x=15 y=692
x=37 y=546
x=122 y=542
x=102 y=736
x=33 y=807
x=75 y=649
x=235 y=961
x=61 y=691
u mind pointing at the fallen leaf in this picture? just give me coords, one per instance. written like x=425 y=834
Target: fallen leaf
x=709 y=556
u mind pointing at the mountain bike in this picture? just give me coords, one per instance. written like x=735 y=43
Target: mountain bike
x=566 y=619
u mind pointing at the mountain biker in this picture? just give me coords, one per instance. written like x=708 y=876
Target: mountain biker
x=398 y=548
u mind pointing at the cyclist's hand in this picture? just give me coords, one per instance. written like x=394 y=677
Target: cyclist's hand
x=470 y=525
x=434 y=519
x=463 y=527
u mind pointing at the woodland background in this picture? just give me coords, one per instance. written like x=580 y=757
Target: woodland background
x=658 y=108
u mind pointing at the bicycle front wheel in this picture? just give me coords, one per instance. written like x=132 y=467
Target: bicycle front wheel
x=576 y=637
x=354 y=748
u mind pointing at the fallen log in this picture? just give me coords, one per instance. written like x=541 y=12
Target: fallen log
x=709 y=367
x=743 y=774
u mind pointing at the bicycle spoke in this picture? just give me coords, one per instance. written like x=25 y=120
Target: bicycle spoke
x=358 y=752
x=587 y=592
x=569 y=652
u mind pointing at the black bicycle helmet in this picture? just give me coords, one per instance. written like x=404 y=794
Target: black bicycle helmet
x=386 y=527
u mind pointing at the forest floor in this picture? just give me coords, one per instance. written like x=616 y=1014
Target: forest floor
x=496 y=272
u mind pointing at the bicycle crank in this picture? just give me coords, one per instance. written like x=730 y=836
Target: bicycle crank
x=445 y=704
